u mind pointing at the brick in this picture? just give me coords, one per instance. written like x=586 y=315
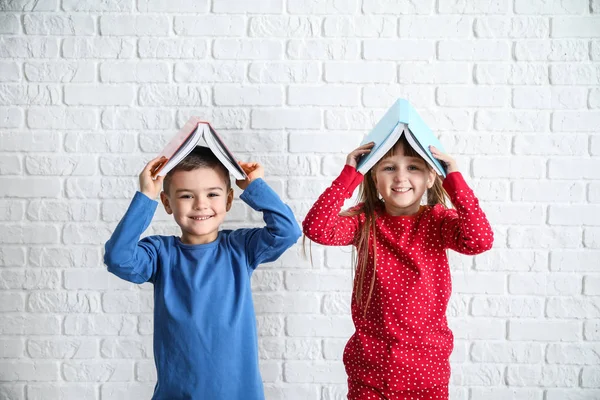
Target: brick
x=170 y=95
x=100 y=142
x=63 y=302
x=11 y=348
x=554 y=191
x=528 y=121
x=11 y=210
x=490 y=189
x=591 y=238
x=10 y=71
x=563 y=145
x=145 y=371
x=595 y=50
x=48 y=210
x=323 y=49
x=366 y=72
x=126 y=302
x=319 y=143
x=543 y=331
x=126 y=391
x=580 y=354
x=137 y=119
x=307 y=325
x=584 y=27
x=177 y=6
x=101 y=47
x=571 y=394
x=283 y=26
x=337 y=303
x=478 y=375
x=398 y=49
x=502 y=307
x=97 y=371
x=453 y=96
x=575 y=121
x=57 y=25
x=351 y=120
x=11 y=117
x=434 y=72
x=206 y=72
x=62 y=118
x=594 y=99
x=574 y=74
x=507 y=353
x=476 y=144
x=99 y=95
x=323 y=96
x=247 y=49
x=126 y=348
x=134 y=25
x=576 y=308
x=93 y=6
x=551 y=7
x=12 y=256
x=11 y=165
x=549 y=98
x=556 y=168
x=179 y=48
x=63 y=348
x=248 y=95
x=578 y=215
x=99 y=324
x=544 y=237
x=284 y=72
x=85 y=234
x=518 y=27
x=28 y=47
x=31 y=371
x=500 y=393
x=473 y=7
x=322 y=7
x=320 y=372
x=364 y=26
x=26 y=324
x=512 y=260
x=591 y=285
x=392 y=7
x=291 y=392
x=208 y=25
x=478 y=329
x=245 y=7
x=311 y=282
x=12 y=302
x=514 y=74
x=291 y=303
x=55 y=165
x=480 y=283
x=60 y=71
x=267 y=281
x=287 y=118
x=62 y=257
x=527 y=375
x=591 y=330
x=466 y=50
x=29 y=95
x=382 y=96
x=580 y=261
x=42 y=392
x=508 y=167
x=31 y=234
x=551 y=50
x=9 y=23
x=134 y=72
x=434 y=27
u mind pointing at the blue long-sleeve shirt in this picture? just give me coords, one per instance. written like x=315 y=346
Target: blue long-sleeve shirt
x=205 y=339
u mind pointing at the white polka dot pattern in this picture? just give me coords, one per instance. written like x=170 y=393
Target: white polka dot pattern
x=403 y=342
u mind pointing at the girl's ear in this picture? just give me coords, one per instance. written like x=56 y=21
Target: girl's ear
x=229 y=200
x=431 y=178
x=165 y=201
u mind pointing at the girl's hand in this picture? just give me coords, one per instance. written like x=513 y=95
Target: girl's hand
x=149 y=186
x=448 y=162
x=357 y=153
x=253 y=170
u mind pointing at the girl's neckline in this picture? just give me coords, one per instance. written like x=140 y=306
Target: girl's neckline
x=422 y=208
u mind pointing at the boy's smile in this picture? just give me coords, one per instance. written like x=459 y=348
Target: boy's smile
x=199 y=200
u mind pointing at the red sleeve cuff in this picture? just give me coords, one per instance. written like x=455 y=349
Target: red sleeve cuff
x=350 y=178
x=454 y=181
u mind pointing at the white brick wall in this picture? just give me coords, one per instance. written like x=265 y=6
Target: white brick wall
x=91 y=90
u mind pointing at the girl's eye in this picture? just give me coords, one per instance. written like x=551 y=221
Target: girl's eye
x=413 y=168
x=388 y=168
x=213 y=195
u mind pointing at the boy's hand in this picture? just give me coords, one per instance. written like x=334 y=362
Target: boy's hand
x=356 y=154
x=445 y=159
x=253 y=170
x=149 y=186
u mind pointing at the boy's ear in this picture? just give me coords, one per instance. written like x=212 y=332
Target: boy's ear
x=165 y=201
x=229 y=200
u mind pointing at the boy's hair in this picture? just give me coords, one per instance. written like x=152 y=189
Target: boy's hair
x=371 y=203
x=200 y=157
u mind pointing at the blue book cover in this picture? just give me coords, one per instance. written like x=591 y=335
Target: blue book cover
x=401 y=119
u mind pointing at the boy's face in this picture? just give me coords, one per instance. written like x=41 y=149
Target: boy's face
x=198 y=200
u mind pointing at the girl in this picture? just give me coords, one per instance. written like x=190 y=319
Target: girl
x=402 y=343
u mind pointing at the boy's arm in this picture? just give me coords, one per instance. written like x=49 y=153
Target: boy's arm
x=323 y=224
x=126 y=256
x=466 y=229
x=281 y=230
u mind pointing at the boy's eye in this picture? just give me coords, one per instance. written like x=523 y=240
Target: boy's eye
x=185 y=196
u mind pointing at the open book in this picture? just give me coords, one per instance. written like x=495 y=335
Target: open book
x=401 y=119
x=194 y=133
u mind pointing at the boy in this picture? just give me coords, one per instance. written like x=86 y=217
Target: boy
x=205 y=340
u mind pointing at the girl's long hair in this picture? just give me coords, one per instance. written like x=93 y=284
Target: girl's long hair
x=371 y=205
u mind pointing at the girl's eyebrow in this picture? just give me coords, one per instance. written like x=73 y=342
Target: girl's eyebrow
x=206 y=189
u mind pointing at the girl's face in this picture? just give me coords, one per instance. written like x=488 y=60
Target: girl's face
x=401 y=181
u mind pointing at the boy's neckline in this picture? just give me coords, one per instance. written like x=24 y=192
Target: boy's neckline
x=215 y=242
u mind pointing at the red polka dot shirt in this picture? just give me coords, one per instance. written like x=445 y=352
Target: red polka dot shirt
x=403 y=342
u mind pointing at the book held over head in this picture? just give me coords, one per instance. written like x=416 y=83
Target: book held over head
x=194 y=133
x=401 y=119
